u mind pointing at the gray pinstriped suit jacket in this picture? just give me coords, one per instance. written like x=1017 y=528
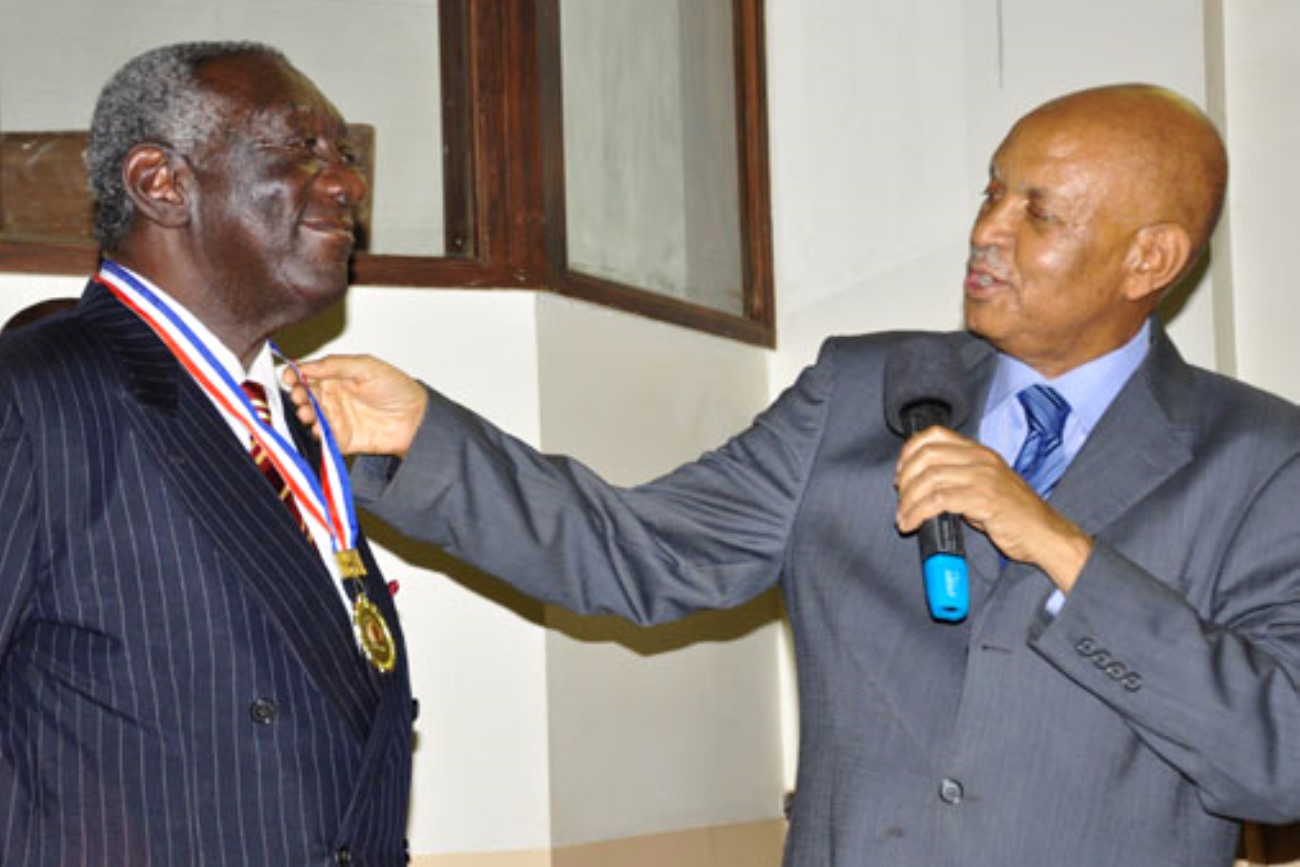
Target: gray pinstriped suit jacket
x=178 y=680
x=1160 y=705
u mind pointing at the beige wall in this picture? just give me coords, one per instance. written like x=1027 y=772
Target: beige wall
x=753 y=844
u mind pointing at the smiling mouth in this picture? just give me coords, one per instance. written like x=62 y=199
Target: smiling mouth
x=322 y=227
x=978 y=281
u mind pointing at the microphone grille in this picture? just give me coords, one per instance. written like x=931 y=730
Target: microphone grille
x=925 y=368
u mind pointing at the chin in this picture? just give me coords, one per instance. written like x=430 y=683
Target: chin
x=974 y=321
x=326 y=294
x=317 y=293
x=987 y=317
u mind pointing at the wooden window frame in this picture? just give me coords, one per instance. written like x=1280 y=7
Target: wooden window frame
x=503 y=173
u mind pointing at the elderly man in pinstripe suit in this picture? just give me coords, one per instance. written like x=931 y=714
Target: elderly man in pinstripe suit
x=190 y=671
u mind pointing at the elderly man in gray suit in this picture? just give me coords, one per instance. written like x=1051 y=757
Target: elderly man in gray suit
x=1123 y=690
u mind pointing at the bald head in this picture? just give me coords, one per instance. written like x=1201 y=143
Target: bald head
x=1167 y=158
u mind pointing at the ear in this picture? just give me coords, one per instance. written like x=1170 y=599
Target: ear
x=1156 y=258
x=157 y=181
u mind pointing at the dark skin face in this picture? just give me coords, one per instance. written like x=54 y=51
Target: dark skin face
x=254 y=231
x=1095 y=205
x=1046 y=282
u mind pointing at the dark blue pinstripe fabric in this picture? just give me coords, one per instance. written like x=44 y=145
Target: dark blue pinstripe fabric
x=152 y=590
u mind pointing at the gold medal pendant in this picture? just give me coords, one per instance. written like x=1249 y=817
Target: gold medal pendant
x=372 y=632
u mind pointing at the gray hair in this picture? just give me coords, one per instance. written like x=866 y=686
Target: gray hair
x=155 y=98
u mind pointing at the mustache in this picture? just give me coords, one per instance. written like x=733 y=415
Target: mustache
x=985 y=258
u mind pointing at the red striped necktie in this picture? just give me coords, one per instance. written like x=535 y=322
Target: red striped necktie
x=257 y=396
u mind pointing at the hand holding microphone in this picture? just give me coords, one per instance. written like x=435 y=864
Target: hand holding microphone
x=925 y=386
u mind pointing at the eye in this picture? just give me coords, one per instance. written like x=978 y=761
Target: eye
x=991 y=195
x=291 y=144
x=306 y=143
x=1039 y=212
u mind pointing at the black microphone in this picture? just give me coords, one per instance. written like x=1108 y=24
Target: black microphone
x=924 y=382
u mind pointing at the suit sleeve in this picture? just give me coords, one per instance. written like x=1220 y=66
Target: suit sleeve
x=19 y=530
x=1213 y=692
x=711 y=534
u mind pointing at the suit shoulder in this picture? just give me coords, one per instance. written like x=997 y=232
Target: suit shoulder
x=1248 y=395
x=1228 y=406
x=46 y=356
x=65 y=334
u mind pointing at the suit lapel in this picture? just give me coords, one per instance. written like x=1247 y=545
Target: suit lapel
x=202 y=461
x=1140 y=441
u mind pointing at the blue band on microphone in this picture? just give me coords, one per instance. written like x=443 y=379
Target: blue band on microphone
x=947 y=590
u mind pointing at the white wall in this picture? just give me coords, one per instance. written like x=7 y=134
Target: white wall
x=677 y=726
x=869 y=166
x=1263 y=131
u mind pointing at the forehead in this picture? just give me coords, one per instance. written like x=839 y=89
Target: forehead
x=1062 y=156
x=264 y=87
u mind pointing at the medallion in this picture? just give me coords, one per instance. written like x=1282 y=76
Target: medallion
x=372 y=632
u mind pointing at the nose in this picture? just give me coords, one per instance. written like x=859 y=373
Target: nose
x=992 y=222
x=344 y=182
x=341 y=177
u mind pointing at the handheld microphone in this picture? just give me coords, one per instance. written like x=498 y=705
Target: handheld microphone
x=924 y=387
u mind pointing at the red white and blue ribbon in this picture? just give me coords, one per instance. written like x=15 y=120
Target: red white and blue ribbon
x=327 y=500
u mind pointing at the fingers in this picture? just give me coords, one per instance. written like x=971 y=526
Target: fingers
x=371 y=407
x=303 y=407
x=940 y=471
x=341 y=366
x=299 y=396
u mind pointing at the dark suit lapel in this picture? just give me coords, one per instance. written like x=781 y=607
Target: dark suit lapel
x=200 y=458
x=1139 y=442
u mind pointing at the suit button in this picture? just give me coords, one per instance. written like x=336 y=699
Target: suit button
x=343 y=856
x=950 y=792
x=263 y=711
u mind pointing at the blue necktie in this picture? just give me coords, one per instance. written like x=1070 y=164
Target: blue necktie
x=1042 y=458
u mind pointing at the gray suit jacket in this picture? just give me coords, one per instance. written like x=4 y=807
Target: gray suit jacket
x=178 y=680
x=1136 y=727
